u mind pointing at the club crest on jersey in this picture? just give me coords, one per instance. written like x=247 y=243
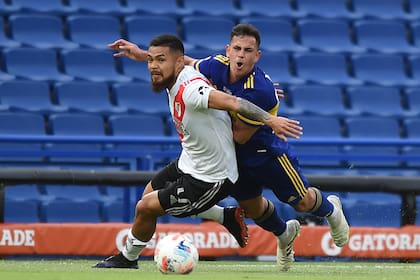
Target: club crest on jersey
x=178 y=109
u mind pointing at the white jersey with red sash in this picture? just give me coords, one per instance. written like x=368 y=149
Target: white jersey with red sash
x=208 y=152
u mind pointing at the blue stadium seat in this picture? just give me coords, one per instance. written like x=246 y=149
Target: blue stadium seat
x=156 y=24
x=7 y=7
x=31 y=96
x=91 y=65
x=412 y=96
x=415 y=30
x=108 y=7
x=376 y=100
x=21 y=124
x=5 y=40
x=215 y=38
x=39 y=31
x=414 y=65
x=95 y=31
x=324 y=9
x=139 y=98
x=317 y=100
x=135 y=70
x=43 y=6
x=384 y=9
x=158 y=7
x=334 y=69
x=412 y=132
x=73 y=193
x=277 y=66
x=25 y=211
x=386 y=36
x=373 y=209
x=23 y=193
x=270 y=8
x=381 y=69
x=373 y=127
x=139 y=125
x=67 y=211
x=86 y=97
x=277 y=34
x=76 y=124
x=218 y=8
x=328 y=35
x=319 y=127
x=414 y=9
x=33 y=64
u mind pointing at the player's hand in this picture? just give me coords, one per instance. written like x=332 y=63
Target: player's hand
x=286 y=128
x=128 y=49
x=279 y=91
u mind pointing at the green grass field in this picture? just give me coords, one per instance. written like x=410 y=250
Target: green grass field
x=68 y=269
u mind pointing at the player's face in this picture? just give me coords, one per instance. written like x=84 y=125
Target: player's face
x=243 y=53
x=162 y=65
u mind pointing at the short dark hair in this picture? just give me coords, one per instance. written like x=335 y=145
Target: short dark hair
x=168 y=40
x=246 y=29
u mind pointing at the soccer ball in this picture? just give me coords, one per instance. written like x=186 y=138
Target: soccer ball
x=175 y=254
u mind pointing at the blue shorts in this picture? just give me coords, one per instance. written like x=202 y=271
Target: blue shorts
x=281 y=174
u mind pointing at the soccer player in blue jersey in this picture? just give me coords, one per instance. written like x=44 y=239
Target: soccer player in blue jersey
x=264 y=160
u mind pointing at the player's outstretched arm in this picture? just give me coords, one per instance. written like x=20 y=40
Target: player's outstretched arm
x=282 y=127
x=128 y=49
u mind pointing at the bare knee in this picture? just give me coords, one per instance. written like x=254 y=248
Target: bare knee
x=307 y=203
x=253 y=208
x=149 y=206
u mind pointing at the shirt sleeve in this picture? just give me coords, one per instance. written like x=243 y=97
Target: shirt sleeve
x=196 y=94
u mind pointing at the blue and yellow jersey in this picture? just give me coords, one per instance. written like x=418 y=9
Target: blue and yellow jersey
x=257 y=88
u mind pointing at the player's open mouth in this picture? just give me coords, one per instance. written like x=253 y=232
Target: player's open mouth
x=239 y=64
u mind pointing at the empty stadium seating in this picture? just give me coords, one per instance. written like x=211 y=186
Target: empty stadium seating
x=328 y=35
x=350 y=69
x=316 y=100
x=375 y=100
x=215 y=38
x=386 y=36
x=140 y=99
x=382 y=69
x=39 y=31
x=325 y=9
x=363 y=127
x=277 y=66
x=30 y=96
x=95 y=95
x=277 y=34
x=334 y=70
x=76 y=124
x=96 y=31
x=156 y=24
x=92 y=65
x=34 y=64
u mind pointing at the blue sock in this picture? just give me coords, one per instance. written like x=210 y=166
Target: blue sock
x=270 y=221
x=323 y=207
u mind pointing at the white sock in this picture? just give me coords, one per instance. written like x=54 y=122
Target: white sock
x=133 y=247
x=215 y=213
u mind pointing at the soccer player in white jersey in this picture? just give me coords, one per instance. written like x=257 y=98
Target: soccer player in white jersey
x=206 y=169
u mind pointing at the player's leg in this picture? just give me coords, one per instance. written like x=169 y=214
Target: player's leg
x=296 y=191
x=232 y=218
x=147 y=210
x=248 y=193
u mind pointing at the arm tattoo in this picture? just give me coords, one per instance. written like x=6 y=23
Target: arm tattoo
x=252 y=111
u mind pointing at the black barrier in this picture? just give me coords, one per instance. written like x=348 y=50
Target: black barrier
x=407 y=187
